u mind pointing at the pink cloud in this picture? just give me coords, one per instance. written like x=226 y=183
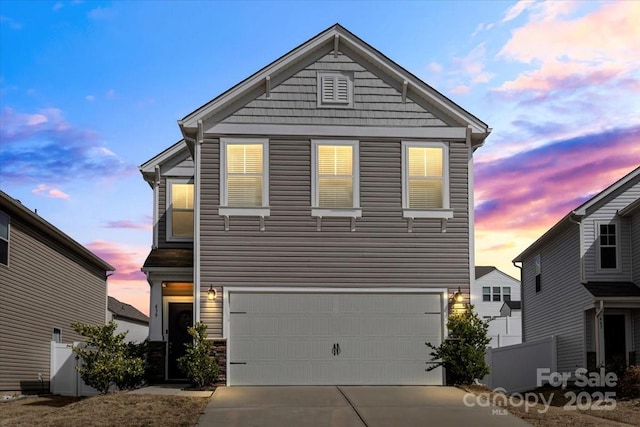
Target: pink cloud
x=125 y=223
x=462 y=89
x=50 y=191
x=126 y=259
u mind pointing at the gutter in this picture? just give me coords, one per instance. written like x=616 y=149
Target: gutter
x=521 y=298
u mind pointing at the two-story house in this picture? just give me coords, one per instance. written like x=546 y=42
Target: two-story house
x=47 y=282
x=318 y=218
x=581 y=280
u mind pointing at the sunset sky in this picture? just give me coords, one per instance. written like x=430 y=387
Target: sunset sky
x=89 y=90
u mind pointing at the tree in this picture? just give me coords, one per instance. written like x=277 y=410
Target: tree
x=462 y=353
x=106 y=359
x=197 y=363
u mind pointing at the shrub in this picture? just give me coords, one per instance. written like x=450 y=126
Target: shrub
x=106 y=359
x=462 y=353
x=197 y=363
x=629 y=384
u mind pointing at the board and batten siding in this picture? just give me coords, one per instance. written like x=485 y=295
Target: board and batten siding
x=294 y=101
x=178 y=169
x=45 y=286
x=558 y=309
x=605 y=213
x=291 y=252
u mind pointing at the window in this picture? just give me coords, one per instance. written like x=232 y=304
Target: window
x=4 y=239
x=179 y=210
x=244 y=177
x=335 y=182
x=57 y=335
x=486 y=294
x=335 y=89
x=538 y=270
x=496 y=293
x=506 y=294
x=425 y=180
x=607 y=243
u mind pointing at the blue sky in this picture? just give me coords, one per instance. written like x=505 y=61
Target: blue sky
x=89 y=90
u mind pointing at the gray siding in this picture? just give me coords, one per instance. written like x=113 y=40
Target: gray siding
x=174 y=168
x=291 y=252
x=294 y=101
x=635 y=247
x=44 y=287
x=558 y=309
x=608 y=212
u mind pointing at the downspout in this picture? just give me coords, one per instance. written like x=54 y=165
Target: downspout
x=582 y=276
x=521 y=299
x=156 y=208
x=471 y=207
x=600 y=335
x=196 y=222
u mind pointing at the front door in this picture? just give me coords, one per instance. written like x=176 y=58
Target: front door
x=180 y=320
x=615 y=339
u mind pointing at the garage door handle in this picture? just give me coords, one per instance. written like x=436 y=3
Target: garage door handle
x=334 y=350
x=338 y=348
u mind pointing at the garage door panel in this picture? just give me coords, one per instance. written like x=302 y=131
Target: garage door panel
x=381 y=337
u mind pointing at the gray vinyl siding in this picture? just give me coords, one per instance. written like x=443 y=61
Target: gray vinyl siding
x=44 y=287
x=181 y=169
x=607 y=212
x=291 y=252
x=294 y=101
x=558 y=309
x=635 y=247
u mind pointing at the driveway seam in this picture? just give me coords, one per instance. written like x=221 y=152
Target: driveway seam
x=353 y=406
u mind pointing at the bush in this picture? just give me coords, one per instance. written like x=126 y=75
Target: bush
x=629 y=384
x=197 y=363
x=106 y=359
x=462 y=353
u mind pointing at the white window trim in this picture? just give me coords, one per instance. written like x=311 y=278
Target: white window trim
x=599 y=268
x=8 y=239
x=258 y=211
x=445 y=212
x=169 y=208
x=334 y=104
x=316 y=211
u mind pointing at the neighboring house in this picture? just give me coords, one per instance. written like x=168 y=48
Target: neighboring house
x=47 y=282
x=492 y=290
x=580 y=280
x=129 y=319
x=318 y=218
x=511 y=309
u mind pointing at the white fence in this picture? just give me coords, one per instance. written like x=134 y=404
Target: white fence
x=64 y=378
x=514 y=368
x=505 y=331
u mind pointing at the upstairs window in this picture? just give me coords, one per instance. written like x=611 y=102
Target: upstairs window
x=4 y=239
x=496 y=293
x=180 y=210
x=506 y=294
x=244 y=176
x=608 y=250
x=335 y=89
x=538 y=271
x=486 y=294
x=335 y=182
x=425 y=180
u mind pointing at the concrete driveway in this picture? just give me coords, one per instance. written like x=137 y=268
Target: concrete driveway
x=348 y=406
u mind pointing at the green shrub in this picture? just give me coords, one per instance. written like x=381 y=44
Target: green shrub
x=462 y=352
x=197 y=363
x=106 y=359
x=629 y=384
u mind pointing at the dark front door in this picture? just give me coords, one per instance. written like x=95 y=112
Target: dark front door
x=180 y=320
x=615 y=339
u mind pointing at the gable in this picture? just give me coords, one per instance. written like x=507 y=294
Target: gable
x=295 y=101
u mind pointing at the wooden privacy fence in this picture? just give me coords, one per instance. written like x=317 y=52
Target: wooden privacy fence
x=514 y=368
x=64 y=378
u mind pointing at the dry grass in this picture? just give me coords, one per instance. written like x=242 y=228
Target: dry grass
x=116 y=409
x=626 y=412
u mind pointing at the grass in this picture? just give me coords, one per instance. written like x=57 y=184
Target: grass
x=113 y=409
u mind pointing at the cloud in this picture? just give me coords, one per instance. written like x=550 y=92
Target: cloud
x=6 y=21
x=90 y=98
x=126 y=259
x=44 y=147
x=57 y=6
x=110 y=94
x=470 y=69
x=50 y=191
x=516 y=10
x=461 y=89
x=125 y=223
x=101 y=14
x=435 y=67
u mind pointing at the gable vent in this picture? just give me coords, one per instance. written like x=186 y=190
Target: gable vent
x=335 y=89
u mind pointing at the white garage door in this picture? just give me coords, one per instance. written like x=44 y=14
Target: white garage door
x=349 y=339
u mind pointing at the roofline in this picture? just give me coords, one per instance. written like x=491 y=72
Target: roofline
x=14 y=206
x=149 y=165
x=630 y=209
x=480 y=130
x=577 y=214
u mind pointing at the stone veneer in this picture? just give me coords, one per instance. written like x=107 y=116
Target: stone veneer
x=219 y=352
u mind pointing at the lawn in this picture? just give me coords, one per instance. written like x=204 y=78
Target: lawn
x=113 y=409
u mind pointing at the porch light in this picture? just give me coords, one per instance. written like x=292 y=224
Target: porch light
x=458 y=296
x=211 y=293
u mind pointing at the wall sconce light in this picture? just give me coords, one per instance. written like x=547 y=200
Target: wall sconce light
x=458 y=296
x=211 y=293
